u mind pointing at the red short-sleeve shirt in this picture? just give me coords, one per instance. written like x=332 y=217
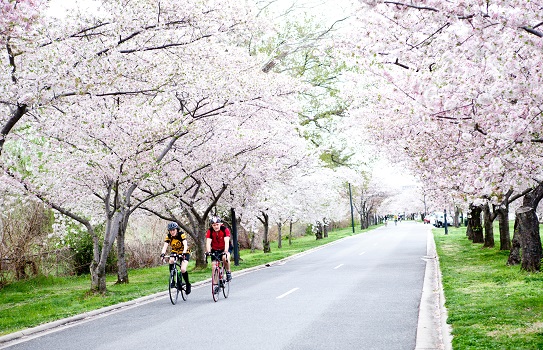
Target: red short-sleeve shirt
x=217 y=237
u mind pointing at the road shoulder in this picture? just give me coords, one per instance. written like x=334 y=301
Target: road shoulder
x=433 y=332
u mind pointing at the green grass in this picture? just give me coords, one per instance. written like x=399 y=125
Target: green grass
x=490 y=305
x=39 y=300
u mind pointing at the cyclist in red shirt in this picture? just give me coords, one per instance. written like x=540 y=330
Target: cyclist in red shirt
x=218 y=241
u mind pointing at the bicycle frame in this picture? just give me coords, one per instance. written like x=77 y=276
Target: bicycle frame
x=174 y=280
x=218 y=281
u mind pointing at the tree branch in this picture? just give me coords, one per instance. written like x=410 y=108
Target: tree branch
x=411 y=6
x=400 y=64
x=13 y=119
x=161 y=47
x=533 y=31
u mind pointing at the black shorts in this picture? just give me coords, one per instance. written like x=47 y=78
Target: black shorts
x=215 y=253
x=187 y=257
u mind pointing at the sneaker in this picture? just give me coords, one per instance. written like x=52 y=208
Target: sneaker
x=228 y=276
x=217 y=290
x=188 y=288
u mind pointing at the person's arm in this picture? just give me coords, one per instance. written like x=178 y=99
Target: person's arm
x=164 y=248
x=208 y=245
x=185 y=247
x=226 y=244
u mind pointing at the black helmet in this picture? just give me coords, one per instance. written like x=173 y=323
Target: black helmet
x=173 y=226
x=215 y=220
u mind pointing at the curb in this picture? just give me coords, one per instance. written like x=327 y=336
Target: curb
x=433 y=332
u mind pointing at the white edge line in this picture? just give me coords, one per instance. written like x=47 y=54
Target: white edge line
x=337 y=267
x=287 y=293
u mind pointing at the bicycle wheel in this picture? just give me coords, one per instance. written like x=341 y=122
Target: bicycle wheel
x=225 y=285
x=215 y=288
x=172 y=286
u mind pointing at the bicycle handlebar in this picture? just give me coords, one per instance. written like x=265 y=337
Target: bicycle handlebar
x=175 y=255
x=217 y=256
x=214 y=254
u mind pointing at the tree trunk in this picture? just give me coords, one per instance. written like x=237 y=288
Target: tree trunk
x=122 y=268
x=476 y=225
x=503 y=220
x=279 y=238
x=530 y=241
x=266 y=223
x=266 y=246
x=456 y=222
x=469 y=231
x=197 y=231
x=253 y=234
x=528 y=228
x=200 y=246
x=290 y=233
x=514 y=254
x=324 y=228
x=489 y=229
x=98 y=268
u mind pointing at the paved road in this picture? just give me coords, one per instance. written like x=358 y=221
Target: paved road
x=362 y=292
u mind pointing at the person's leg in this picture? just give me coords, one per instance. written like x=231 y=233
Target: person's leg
x=170 y=265
x=185 y=274
x=226 y=260
x=184 y=265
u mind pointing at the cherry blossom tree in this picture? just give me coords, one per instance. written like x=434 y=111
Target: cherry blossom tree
x=460 y=86
x=16 y=21
x=137 y=84
x=242 y=156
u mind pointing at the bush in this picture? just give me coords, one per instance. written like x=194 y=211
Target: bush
x=80 y=242
x=23 y=241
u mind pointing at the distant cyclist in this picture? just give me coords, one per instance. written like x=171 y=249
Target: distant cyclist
x=218 y=241
x=178 y=241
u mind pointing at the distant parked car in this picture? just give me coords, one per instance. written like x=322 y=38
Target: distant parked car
x=426 y=219
x=438 y=219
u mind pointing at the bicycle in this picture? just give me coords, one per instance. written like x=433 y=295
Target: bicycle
x=218 y=277
x=176 y=285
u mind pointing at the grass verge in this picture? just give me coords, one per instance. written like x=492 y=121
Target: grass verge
x=32 y=302
x=490 y=305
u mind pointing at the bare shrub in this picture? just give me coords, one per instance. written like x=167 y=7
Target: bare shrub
x=144 y=240
x=23 y=234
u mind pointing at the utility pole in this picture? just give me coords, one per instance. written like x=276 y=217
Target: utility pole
x=351 y=200
x=235 y=236
x=445 y=220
